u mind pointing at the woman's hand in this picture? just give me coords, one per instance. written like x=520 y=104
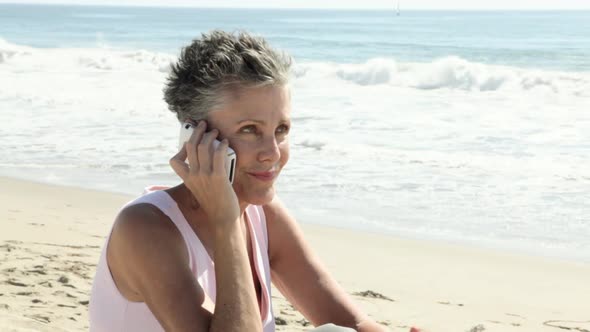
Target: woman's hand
x=236 y=307
x=205 y=175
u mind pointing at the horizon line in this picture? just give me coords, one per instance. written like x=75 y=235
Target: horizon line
x=289 y=8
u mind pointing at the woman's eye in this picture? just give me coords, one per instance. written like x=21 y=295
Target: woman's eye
x=283 y=129
x=248 y=129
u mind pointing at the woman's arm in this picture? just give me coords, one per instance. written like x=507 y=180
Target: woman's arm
x=302 y=278
x=148 y=255
x=152 y=257
x=155 y=261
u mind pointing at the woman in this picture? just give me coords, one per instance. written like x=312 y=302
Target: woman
x=200 y=256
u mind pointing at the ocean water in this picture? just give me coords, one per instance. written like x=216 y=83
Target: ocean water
x=462 y=127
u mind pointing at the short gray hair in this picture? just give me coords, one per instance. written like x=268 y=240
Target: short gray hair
x=216 y=63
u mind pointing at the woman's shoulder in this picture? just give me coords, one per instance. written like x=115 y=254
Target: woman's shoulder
x=144 y=221
x=143 y=240
x=276 y=212
x=143 y=232
x=281 y=225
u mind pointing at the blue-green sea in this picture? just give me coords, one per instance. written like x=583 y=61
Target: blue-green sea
x=544 y=39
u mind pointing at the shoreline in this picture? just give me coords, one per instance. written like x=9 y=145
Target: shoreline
x=489 y=246
x=51 y=237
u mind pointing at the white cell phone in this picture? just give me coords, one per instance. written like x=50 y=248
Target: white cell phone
x=186 y=130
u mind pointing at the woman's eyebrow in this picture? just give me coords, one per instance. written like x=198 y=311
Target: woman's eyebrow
x=261 y=122
x=252 y=120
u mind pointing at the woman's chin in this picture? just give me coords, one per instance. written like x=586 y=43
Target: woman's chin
x=259 y=196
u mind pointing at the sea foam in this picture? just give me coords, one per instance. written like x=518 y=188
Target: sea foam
x=104 y=58
x=444 y=73
x=449 y=73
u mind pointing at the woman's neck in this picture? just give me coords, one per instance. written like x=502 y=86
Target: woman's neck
x=185 y=197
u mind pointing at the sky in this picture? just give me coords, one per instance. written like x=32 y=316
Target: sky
x=339 y=4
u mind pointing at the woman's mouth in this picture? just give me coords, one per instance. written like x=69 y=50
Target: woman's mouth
x=263 y=176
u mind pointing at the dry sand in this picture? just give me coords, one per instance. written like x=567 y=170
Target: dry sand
x=50 y=240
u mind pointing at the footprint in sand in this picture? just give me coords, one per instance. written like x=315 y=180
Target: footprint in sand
x=304 y=322
x=374 y=295
x=283 y=312
x=26 y=293
x=46 y=284
x=49 y=257
x=15 y=282
x=280 y=321
x=7 y=247
x=477 y=328
x=514 y=315
x=78 y=255
x=449 y=303
x=25 y=258
x=40 y=318
x=572 y=325
x=37 y=271
x=37 y=323
x=503 y=323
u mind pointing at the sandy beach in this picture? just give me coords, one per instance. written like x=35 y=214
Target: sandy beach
x=51 y=236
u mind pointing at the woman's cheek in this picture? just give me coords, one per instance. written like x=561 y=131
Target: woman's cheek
x=284 y=148
x=242 y=149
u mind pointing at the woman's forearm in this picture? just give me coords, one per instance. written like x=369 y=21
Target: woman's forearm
x=236 y=306
x=370 y=326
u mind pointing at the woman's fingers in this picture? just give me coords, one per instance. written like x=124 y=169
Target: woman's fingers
x=178 y=164
x=204 y=157
x=205 y=151
x=192 y=143
x=188 y=152
x=208 y=185
x=219 y=156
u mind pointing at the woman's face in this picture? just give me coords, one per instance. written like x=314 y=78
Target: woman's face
x=256 y=122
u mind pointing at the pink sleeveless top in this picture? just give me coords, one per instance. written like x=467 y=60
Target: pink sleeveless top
x=110 y=311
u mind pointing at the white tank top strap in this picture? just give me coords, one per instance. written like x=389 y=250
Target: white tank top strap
x=199 y=260
x=164 y=203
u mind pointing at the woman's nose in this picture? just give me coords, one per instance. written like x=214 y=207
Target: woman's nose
x=269 y=150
